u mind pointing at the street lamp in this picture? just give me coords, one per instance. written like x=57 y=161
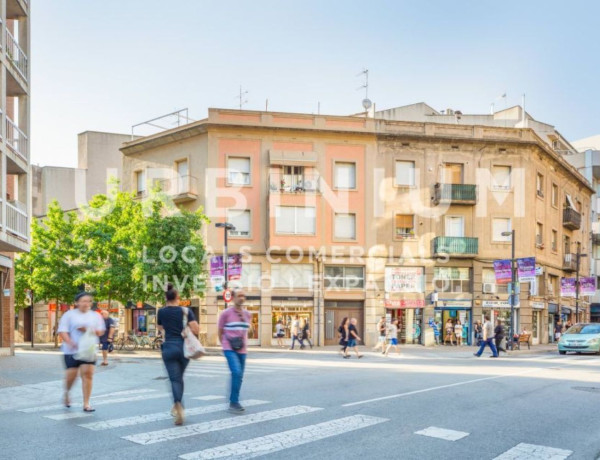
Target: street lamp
x=578 y=256
x=512 y=285
x=226 y=226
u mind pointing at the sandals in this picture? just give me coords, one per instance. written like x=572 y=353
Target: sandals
x=104 y=364
x=67 y=401
x=89 y=409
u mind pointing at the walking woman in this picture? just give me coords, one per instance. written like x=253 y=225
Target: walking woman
x=280 y=333
x=170 y=318
x=458 y=330
x=499 y=336
x=449 y=332
x=73 y=325
x=305 y=334
x=343 y=331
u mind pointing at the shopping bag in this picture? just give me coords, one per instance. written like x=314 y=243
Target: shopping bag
x=192 y=348
x=86 y=348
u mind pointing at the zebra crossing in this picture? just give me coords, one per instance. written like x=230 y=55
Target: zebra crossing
x=205 y=369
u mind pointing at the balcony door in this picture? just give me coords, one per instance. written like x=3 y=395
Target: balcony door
x=452 y=173
x=182 y=176
x=293 y=178
x=455 y=226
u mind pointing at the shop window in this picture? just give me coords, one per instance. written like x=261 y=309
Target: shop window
x=404 y=226
x=292 y=276
x=287 y=315
x=238 y=171
x=341 y=277
x=452 y=279
x=251 y=276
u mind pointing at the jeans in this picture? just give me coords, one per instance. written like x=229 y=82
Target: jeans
x=294 y=338
x=489 y=342
x=237 y=363
x=175 y=362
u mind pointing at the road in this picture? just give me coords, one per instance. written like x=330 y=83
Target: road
x=422 y=404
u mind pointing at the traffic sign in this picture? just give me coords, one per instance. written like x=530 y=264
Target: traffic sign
x=227 y=295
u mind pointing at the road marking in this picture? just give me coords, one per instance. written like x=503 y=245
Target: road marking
x=279 y=441
x=442 y=433
x=140 y=419
x=68 y=415
x=532 y=452
x=153 y=437
x=441 y=387
x=126 y=392
x=208 y=397
x=32 y=410
x=192 y=374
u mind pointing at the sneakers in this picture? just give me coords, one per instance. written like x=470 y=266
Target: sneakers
x=236 y=408
x=475 y=354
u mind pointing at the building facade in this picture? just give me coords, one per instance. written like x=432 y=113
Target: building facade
x=365 y=217
x=15 y=181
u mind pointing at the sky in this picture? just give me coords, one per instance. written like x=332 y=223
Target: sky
x=107 y=65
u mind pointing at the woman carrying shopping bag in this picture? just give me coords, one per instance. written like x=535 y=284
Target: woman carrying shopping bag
x=175 y=321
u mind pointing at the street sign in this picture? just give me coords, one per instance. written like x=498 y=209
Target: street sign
x=227 y=295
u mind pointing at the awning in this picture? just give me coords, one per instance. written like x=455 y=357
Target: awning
x=570 y=201
x=5 y=261
x=292 y=158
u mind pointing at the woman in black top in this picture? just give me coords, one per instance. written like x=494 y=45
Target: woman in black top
x=170 y=319
x=499 y=336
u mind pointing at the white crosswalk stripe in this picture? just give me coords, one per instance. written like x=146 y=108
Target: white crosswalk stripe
x=525 y=451
x=287 y=439
x=208 y=397
x=170 y=434
x=68 y=415
x=142 y=397
x=140 y=419
x=442 y=433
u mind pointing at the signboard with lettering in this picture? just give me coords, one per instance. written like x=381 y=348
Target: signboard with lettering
x=404 y=303
x=404 y=279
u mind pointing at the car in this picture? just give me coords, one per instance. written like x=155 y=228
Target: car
x=581 y=338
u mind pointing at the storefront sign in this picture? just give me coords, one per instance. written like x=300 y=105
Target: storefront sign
x=404 y=279
x=404 y=303
x=453 y=304
x=502 y=270
x=567 y=287
x=496 y=304
x=537 y=305
x=526 y=269
x=539 y=270
x=587 y=285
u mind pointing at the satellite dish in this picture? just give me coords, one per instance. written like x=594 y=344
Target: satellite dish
x=367 y=104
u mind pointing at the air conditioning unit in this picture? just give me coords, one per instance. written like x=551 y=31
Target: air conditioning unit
x=489 y=288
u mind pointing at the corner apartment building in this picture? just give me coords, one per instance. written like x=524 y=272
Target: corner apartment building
x=15 y=181
x=362 y=217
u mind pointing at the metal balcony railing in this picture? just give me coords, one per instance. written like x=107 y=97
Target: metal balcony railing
x=455 y=194
x=16 y=221
x=16 y=55
x=288 y=183
x=455 y=245
x=16 y=139
x=570 y=262
x=571 y=219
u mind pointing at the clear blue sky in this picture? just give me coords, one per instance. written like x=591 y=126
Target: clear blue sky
x=105 y=65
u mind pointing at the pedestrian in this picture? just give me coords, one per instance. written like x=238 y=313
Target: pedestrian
x=478 y=333
x=449 y=332
x=392 y=332
x=172 y=319
x=343 y=331
x=436 y=332
x=353 y=338
x=233 y=326
x=382 y=331
x=499 y=336
x=557 y=331
x=488 y=338
x=305 y=332
x=295 y=331
x=72 y=327
x=107 y=338
x=280 y=333
x=458 y=332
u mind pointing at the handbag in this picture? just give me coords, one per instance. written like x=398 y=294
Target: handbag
x=192 y=348
x=237 y=343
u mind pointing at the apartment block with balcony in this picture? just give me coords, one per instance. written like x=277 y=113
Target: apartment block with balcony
x=15 y=181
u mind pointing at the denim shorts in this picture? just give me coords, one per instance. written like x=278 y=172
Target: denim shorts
x=71 y=362
x=351 y=343
x=394 y=341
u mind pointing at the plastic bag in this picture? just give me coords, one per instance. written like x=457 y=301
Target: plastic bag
x=192 y=348
x=86 y=348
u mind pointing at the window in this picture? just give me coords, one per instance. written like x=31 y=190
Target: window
x=553 y=285
x=251 y=276
x=554 y=240
x=454 y=226
x=140 y=181
x=452 y=279
x=182 y=177
x=345 y=175
x=345 y=226
x=296 y=220
x=405 y=173
x=555 y=195
x=452 y=173
x=499 y=226
x=240 y=218
x=293 y=178
x=489 y=286
x=344 y=277
x=238 y=171
x=292 y=275
x=539 y=234
x=567 y=244
x=501 y=177
x=404 y=226
x=539 y=185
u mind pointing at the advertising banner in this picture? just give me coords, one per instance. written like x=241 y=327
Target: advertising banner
x=217 y=268
x=526 y=269
x=567 y=287
x=502 y=270
x=587 y=286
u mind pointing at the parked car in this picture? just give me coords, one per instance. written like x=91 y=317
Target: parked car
x=581 y=338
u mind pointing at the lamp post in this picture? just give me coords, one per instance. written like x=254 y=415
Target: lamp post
x=226 y=226
x=578 y=256
x=512 y=285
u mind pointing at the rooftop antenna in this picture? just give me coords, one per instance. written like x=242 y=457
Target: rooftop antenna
x=366 y=103
x=242 y=97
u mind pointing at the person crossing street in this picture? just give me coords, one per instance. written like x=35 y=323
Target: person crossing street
x=488 y=339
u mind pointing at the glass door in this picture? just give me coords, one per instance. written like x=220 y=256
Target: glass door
x=254 y=331
x=535 y=328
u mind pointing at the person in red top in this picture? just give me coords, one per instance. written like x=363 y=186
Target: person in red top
x=233 y=326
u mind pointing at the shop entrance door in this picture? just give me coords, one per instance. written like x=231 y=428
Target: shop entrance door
x=254 y=332
x=447 y=334
x=536 y=328
x=333 y=319
x=550 y=328
x=409 y=324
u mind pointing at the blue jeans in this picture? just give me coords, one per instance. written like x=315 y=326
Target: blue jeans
x=294 y=338
x=489 y=342
x=237 y=363
x=175 y=362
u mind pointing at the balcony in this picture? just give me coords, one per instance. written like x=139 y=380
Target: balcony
x=16 y=220
x=571 y=219
x=287 y=183
x=16 y=55
x=17 y=140
x=570 y=262
x=461 y=194
x=181 y=189
x=455 y=246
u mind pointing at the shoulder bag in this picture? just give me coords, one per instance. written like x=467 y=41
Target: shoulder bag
x=192 y=348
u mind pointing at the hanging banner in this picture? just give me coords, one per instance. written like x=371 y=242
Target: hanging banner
x=567 y=287
x=526 y=269
x=234 y=267
x=502 y=270
x=587 y=286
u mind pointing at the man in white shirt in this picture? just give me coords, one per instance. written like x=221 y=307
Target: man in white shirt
x=295 y=331
x=488 y=338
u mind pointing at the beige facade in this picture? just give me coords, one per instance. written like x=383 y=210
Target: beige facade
x=400 y=211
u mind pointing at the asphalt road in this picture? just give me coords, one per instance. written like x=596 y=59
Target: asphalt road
x=419 y=405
